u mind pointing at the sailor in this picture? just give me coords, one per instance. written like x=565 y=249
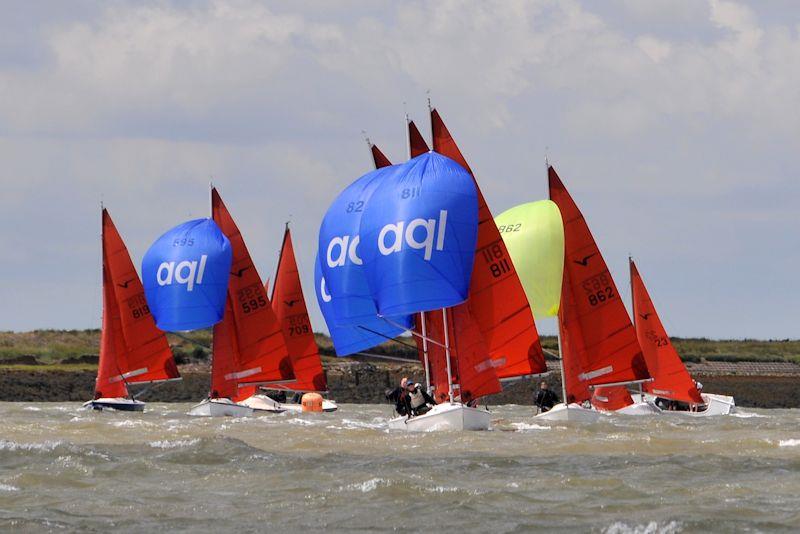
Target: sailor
x=545 y=398
x=398 y=397
x=417 y=399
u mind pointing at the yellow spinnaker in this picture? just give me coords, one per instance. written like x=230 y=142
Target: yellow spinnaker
x=534 y=235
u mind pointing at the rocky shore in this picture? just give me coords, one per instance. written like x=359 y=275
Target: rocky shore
x=753 y=385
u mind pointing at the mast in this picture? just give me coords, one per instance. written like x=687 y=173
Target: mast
x=447 y=355
x=561 y=366
x=444 y=310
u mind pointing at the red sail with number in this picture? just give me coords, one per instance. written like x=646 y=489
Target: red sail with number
x=601 y=342
x=289 y=306
x=497 y=300
x=671 y=380
x=249 y=348
x=132 y=349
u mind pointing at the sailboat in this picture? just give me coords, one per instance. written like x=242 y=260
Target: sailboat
x=672 y=387
x=248 y=344
x=132 y=349
x=472 y=367
x=598 y=342
x=289 y=305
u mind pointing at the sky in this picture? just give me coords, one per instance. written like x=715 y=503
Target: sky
x=675 y=124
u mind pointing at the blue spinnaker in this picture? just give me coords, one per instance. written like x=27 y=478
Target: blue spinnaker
x=418 y=236
x=185 y=276
x=354 y=338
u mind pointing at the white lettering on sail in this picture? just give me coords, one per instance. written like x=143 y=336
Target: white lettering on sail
x=434 y=231
x=186 y=272
x=342 y=248
x=323 y=290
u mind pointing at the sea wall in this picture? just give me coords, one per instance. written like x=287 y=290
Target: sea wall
x=356 y=382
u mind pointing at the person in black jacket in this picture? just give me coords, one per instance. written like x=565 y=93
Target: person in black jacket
x=398 y=397
x=545 y=398
x=417 y=399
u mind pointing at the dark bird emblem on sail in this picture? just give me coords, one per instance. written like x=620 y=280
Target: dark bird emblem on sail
x=585 y=260
x=238 y=273
x=645 y=315
x=290 y=303
x=124 y=285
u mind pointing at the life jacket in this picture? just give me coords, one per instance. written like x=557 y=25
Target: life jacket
x=417 y=399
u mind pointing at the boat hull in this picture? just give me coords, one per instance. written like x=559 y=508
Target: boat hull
x=445 y=416
x=118 y=404
x=640 y=408
x=715 y=405
x=265 y=404
x=571 y=412
x=220 y=408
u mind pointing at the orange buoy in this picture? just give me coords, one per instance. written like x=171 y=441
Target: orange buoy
x=312 y=402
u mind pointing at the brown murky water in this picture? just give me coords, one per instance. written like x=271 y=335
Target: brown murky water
x=64 y=469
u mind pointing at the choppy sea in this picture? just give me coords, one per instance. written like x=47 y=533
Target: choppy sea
x=66 y=469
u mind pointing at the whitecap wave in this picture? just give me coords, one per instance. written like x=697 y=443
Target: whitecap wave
x=7 y=445
x=789 y=443
x=174 y=444
x=652 y=527
x=8 y=487
x=366 y=486
x=746 y=415
x=529 y=426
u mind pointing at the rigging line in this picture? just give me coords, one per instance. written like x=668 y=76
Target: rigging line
x=190 y=340
x=417 y=334
x=371 y=331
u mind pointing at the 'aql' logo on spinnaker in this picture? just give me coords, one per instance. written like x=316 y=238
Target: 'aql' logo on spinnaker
x=391 y=239
x=184 y=272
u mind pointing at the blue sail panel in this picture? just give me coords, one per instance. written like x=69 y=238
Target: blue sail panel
x=340 y=248
x=354 y=338
x=418 y=236
x=185 y=276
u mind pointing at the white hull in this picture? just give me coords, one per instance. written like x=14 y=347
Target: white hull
x=571 y=412
x=445 y=416
x=264 y=404
x=639 y=408
x=220 y=408
x=120 y=404
x=715 y=405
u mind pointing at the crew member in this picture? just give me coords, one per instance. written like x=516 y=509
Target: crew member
x=417 y=399
x=545 y=398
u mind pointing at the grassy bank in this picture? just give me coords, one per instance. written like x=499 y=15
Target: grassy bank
x=80 y=347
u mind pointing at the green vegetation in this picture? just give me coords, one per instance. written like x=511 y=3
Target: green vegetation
x=77 y=349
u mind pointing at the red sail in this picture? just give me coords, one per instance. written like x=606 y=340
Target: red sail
x=289 y=305
x=378 y=157
x=472 y=370
x=611 y=398
x=496 y=298
x=602 y=339
x=132 y=348
x=671 y=379
x=251 y=348
x=571 y=344
x=416 y=143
